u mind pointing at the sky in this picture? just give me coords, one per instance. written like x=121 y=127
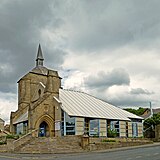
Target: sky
x=109 y=49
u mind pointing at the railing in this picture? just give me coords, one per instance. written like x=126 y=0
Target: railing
x=24 y=139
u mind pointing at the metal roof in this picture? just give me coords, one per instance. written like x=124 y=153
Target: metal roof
x=22 y=118
x=80 y=104
x=1 y=120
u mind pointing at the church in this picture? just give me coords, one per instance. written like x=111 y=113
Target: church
x=51 y=111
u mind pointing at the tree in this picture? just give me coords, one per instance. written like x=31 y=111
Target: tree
x=138 y=111
x=149 y=125
x=153 y=121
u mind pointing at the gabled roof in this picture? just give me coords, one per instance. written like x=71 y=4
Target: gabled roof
x=80 y=104
x=40 y=70
x=2 y=120
x=147 y=113
x=156 y=111
x=22 y=118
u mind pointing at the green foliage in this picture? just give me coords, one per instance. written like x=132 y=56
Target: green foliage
x=153 y=121
x=112 y=133
x=149 y=126
x=2 y=143
x=137 y=112
x=10 y=136
x=108 y=140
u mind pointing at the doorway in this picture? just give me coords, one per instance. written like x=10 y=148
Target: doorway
x=43 y=129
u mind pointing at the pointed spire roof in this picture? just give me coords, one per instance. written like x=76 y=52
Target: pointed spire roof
x=40 y=59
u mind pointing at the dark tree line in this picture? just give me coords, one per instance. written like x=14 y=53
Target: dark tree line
x=138 y=111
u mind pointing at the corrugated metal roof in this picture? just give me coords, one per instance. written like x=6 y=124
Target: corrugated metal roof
x=22 y=118
x=83 y=105
x=2 y=120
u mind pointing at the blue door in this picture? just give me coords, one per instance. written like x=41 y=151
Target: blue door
x=42 y=129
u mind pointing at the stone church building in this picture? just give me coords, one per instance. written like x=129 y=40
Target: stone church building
x=50 y=111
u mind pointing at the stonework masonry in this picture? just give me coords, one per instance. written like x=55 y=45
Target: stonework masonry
x=36 y=103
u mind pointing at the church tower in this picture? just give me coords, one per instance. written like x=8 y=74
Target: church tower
x=36 y=102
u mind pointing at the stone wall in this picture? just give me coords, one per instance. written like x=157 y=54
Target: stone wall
x=109 y=143
x=140 y=130
x=79 y=125
x=122 y=125
x=68 y=144
x=157 y=132
x=102 y=127
x=129 y=129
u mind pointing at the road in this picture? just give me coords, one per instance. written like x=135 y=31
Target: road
x=145 y=153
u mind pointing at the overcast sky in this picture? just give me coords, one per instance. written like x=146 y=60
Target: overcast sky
x=110 y=49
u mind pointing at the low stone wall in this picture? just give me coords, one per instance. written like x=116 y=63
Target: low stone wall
x=3 y=148
x=157 y=132
x=101 y=139
x=109 y=143
x=7 y=147
x=21 y=141
x=29 y=144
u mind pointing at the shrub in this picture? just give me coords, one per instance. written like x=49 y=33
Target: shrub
x=108 y=140
x=2 y=143
x=112 y=133
x=10 y=136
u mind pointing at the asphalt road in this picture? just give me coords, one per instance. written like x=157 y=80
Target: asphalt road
x=145 y=153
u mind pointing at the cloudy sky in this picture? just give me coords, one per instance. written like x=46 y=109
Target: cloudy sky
x=110 y=49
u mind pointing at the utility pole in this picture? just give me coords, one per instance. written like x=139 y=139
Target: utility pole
x=151 y=109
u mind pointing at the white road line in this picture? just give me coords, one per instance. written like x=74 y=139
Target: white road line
x=138 y=157
x=9 y=157
x=155 y=154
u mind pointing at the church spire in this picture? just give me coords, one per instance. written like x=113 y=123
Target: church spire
x=40 y=59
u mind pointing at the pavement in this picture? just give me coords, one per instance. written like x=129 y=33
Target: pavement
x=129 y=147
x=143 y=152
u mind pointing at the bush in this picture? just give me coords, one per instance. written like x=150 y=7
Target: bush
x=2 y=143
x=10 y=136
x=112 y=133
x=108 y=140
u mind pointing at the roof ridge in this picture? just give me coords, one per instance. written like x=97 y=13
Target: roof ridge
x=91 y=96
x=2 y=119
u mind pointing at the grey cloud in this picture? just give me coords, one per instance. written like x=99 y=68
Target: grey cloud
x=105 y=80
x=140 y=91
x=111 y=24
x=101 y=25
x=20 y=29
x=125 y=99
x=129 y=101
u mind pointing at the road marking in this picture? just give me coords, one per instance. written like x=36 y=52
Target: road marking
x=155 y=154
x=9 y=157
x=43 y=158
x=138 y=157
